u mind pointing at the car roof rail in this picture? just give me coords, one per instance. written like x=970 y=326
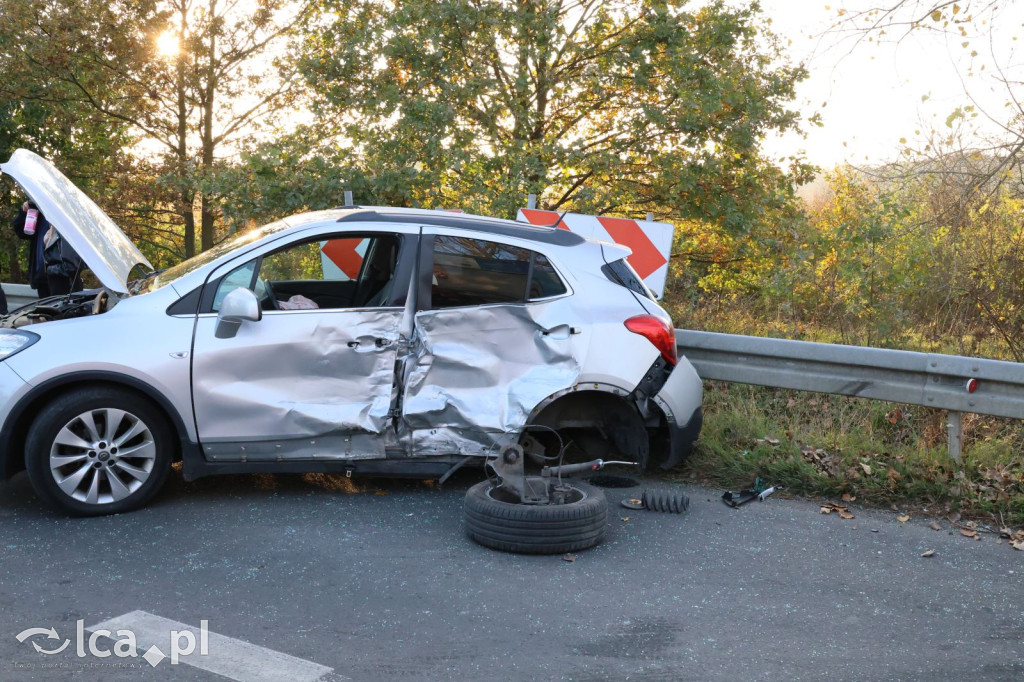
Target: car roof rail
x=498 y=226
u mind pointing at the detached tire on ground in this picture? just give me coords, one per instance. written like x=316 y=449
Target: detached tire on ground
x=495 y=519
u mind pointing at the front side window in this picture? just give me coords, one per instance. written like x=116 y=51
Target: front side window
x=471 y=272
x=239 y=277
x=337 y=272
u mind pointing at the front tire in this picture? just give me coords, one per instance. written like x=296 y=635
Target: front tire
x=495 y=521
x=98 y=451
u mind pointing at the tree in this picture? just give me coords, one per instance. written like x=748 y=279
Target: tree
x=598 y=106
x=187 y=77
x=291 y=173
x=979 y=35
x=87 y=151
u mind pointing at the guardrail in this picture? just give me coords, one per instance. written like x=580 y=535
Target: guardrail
x=19 y=295
x=951 y=382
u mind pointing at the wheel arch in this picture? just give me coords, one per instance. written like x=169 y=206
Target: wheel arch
x=16 y=427
x=600 y=407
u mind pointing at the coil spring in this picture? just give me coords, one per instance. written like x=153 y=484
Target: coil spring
x=661 y=501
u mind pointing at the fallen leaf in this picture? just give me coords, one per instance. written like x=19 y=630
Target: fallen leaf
x=929 y=553
x=903 y=519
x=954 y=517
x=826 y=510
x=893 y=475
x=935 y=526
x=968 y=533
x=1017 y=545
x=569 y=557
x=845 y=515
x=771 y=441
x=866 y=468
x=380 y=493
x=847 y=497
x=625 y=518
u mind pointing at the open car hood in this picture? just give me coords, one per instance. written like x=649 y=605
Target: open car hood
x=98 y=240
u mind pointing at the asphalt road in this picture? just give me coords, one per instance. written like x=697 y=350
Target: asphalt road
x=378 y=582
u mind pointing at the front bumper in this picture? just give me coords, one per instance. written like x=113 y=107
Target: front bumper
x=12 y=389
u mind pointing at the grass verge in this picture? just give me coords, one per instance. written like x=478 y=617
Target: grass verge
x=879 y=453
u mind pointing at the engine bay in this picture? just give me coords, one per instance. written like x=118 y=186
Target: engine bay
x=63 y=307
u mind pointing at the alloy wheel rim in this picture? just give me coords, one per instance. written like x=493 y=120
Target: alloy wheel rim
x=102 y=456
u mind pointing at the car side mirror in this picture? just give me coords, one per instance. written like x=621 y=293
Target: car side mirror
x=240 y=305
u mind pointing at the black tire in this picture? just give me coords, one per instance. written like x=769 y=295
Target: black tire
x=536 y=529
x=149 y=452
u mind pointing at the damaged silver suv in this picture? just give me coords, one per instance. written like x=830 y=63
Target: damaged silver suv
x=367 y=341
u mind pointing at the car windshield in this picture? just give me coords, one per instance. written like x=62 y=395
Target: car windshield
x=171 y=274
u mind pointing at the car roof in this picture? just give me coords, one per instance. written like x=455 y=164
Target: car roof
x=465 y=221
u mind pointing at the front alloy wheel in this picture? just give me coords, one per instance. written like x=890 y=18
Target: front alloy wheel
x=102 y=456
x=98 y=451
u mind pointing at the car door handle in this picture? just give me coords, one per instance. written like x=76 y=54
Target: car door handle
x=379 y=342
x=559 y=328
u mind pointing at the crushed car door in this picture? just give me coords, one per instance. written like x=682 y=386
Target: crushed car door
x=313 y=377
x=494 y=336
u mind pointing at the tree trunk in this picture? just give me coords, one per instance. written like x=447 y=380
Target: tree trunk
x=187 y=195
x=189 y=217
x=205 y=209
x=207 y=222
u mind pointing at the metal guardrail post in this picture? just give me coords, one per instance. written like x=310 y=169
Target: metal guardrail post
x=955 y=427
x=348 y=198
x=531 y=201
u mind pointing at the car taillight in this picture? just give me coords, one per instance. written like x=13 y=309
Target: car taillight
x=658 y=332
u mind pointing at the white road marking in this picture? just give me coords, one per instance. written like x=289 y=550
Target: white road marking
x=226 y=656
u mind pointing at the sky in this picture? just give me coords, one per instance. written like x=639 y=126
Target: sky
x=871 y=95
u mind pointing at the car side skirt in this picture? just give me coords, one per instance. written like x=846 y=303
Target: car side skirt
x=196 y=467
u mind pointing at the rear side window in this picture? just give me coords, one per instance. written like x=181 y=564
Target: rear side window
x=545 y=281
x=471 y=272
x=623 y=274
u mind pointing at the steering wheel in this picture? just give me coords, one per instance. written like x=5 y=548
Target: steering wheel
x=265 y=293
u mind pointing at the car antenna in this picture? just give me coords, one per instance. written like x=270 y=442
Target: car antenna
x=555 y=224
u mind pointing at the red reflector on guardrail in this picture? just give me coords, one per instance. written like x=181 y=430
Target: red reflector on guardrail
x=971 y=385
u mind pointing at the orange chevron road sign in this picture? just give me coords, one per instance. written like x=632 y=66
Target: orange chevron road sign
x=650 y=242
